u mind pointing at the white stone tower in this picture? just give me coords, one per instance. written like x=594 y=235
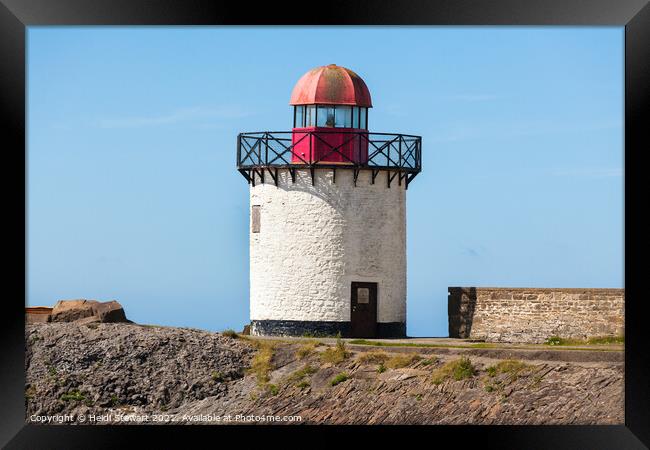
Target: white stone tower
x=328 y=215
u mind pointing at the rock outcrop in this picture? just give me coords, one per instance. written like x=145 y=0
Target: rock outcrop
x=76 y=367
x=104 y=368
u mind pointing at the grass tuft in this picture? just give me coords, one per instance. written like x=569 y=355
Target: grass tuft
x=304 y=384
x=457 y=369
x=430 y=361
x=261 y=362
x=306 y=349
x=230 y=333
x=299 y=376
x=399 y=361
x=74 y=395
x=373 y=357
x=512 y=367
x=272 y=389
x=336 y=354
x=340 y=378
x=30 y=392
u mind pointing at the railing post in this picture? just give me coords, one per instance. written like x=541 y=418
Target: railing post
x=359 y=150
x=388 y=157
x=238 y=149
x=400 y=150
x=266 y=149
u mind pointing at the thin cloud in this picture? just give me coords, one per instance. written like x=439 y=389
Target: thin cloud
x=473 y=250
x=183 y=115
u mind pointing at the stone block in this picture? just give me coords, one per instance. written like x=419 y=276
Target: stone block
x=71 y=310
x=88 y=311
x=109 y=312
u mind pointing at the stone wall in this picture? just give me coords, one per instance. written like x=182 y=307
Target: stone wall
x=532 y=315
x=312 y=241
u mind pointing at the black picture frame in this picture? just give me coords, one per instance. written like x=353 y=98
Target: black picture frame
x=16 y=15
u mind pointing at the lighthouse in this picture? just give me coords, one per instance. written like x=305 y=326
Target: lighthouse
x=328 y=215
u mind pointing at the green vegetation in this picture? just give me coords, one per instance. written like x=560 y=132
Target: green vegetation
x=373 y=357
x=399 y=361
x=303 y=384
x=595 y=340
x=30 y=392
x=261 y=362
x=230 y=333
x=457 y=369
x=51 y=370
x=340 y=378
x=272 y=389
x=420 y=344
x=217 y=376
x=306 y=349
x=336 y=354
x=387 y=344
x=381 y=368
x=73 y=395
x=319 y=335
x=429 y=361
x=512 y=367
x=475 y=345
x=555 y=340
x=299 y=376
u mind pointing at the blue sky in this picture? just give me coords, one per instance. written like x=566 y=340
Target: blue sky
x=132 y=192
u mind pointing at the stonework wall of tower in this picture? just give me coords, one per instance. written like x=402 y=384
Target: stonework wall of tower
x=315 y=240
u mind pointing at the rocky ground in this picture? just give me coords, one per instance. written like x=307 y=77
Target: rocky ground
x=74 y=368
x=192 y=376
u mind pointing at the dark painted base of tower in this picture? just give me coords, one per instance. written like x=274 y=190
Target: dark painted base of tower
x=321 y=329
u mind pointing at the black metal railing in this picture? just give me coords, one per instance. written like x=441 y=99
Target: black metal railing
x=400 y=154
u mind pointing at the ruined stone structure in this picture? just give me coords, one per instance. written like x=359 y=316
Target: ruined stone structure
x=328 y=215
x=80 y=311
x=532 y=315
x=37 y=314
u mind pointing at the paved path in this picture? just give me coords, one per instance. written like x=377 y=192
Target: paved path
x=434 y=345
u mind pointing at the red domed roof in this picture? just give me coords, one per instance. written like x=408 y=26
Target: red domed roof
x=331 y=85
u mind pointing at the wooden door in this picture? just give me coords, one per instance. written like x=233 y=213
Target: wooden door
x=363 y=311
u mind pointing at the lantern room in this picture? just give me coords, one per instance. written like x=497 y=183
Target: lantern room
x=330 y=109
